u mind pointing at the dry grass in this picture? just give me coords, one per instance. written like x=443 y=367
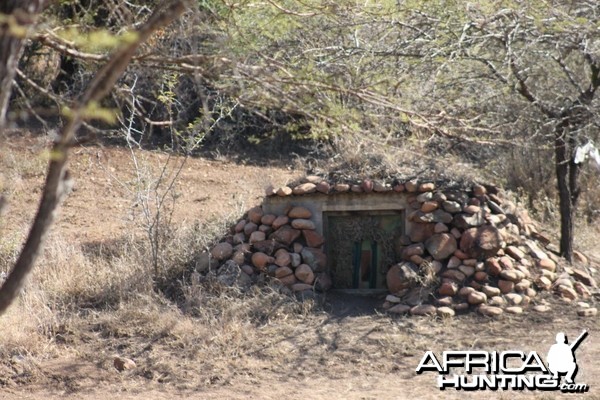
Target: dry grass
x=87 y=302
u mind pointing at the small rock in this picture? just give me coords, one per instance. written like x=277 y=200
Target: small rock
x=567 y=293
x=584 y=277
x=448 y=289
x=283 y=258
x=506 y=286
x=579 y=257
x=392 y=299
x=454 y=262
x=424 y=197
x=260 y=260
x=423 y=309
x=465 y=269
x=441 y=245
x=341 y=187
x=510 y=275
x=514 y=310
x=497 y=301
x=489 y=311
x=514 y=298
x=471 y=209
x=426 y=187
x=122 y=363
x=268 y=219
x=305 y=274
x=288 y=280
x=367 y=185
x=477 y=298
x=582 y=290
x=283 y=191
x=222 y=251
x=543 y=283
x=547 y=264
x=239 y=238
x=286 y=235
x=399 y=309
x=401 y=276
x=255 y=214
x=304 y=188
x=256 y=237
x=303 y=224
x=239 y=227
x=587 y=312
x=279 y=222
x=479 y=190
x=299 y=287
x=454 y=274
x=541 y=308
x=480 y=276
x=300 y=212
x=490 y=291
x=445 y=301
x=465 y=291
x=249 y=228
x=323 y=187
x=493 y=266
x=429 y=206
x=515 y=252
x=313 y=179
x=247 y=269
x=451 y=206
x=313 y=239
x=283 y=272
x=411 y=186
x=440 y=228
x=445 y=312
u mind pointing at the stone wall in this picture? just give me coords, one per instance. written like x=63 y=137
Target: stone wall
x=462 y=249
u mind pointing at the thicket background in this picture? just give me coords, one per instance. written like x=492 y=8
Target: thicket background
x=441 y=87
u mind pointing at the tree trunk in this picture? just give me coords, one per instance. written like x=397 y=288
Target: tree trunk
x=567 y=174
x=20 y=14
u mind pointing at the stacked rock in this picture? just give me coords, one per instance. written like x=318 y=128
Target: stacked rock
x=285 y=247
x=480 y=247
x=464 y=249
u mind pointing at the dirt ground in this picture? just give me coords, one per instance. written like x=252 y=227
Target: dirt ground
x=347 y=349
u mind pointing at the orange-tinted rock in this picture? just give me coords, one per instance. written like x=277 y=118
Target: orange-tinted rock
x=300 y=212
x=260 y=260
x=305 y=274
x=279 y=222
x=312 y=238
x=283 y=191
x=506 y=286
x=304 y=188
x=286 y=235
x=303 y=224
x=283 y=272
x=255 y=214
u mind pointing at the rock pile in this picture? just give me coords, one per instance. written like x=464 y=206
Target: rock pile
x=485 y=253
x=284 y=247
x=465 y=249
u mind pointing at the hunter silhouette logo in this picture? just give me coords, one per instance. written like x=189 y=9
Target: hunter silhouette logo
x=561 y=357
x=508 y=369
